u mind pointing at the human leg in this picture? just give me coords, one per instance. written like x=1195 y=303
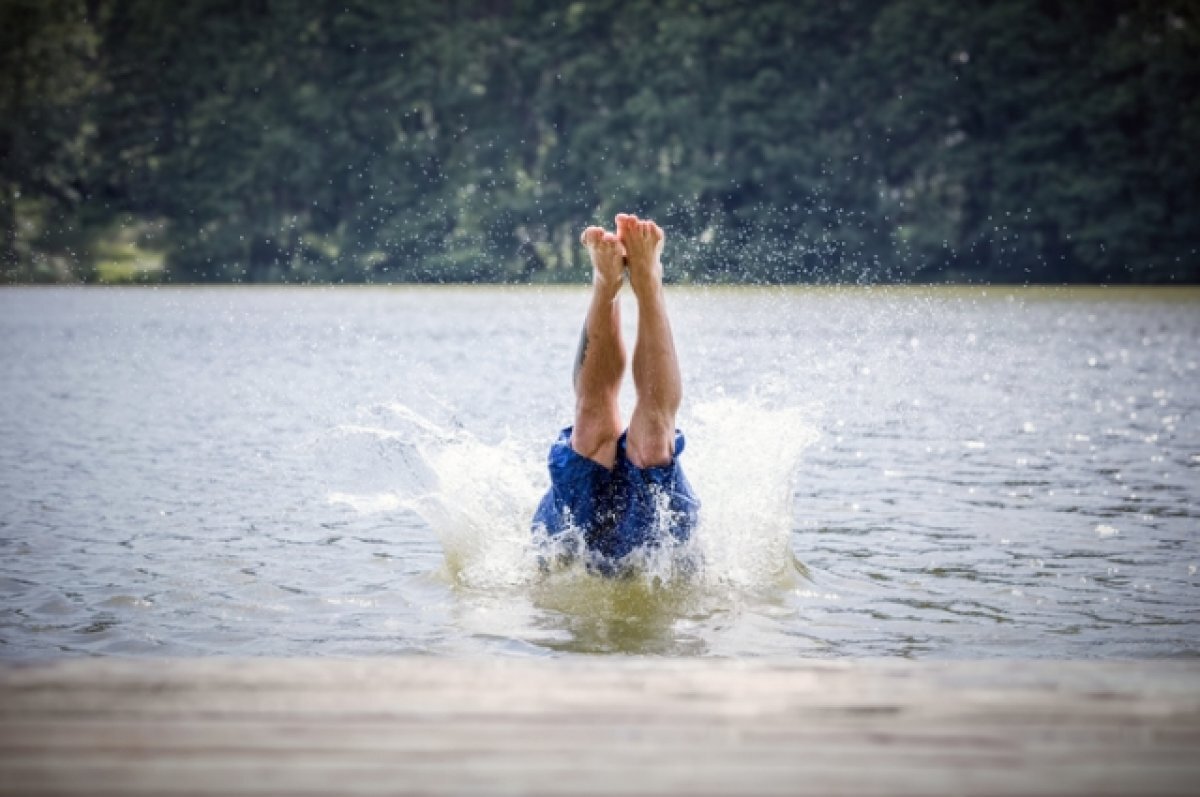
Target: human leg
x=656 y=377
x=600 y=360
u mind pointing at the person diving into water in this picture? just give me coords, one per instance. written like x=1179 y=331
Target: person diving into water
x=620 y=489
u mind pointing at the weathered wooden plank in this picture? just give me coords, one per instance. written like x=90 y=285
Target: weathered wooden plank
x=243 y=736
x=600 y=726
x=735 y=691
x=173 y=775
x=680 y=674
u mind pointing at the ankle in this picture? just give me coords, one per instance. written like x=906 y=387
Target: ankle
x=647 y=284
x=606 y=289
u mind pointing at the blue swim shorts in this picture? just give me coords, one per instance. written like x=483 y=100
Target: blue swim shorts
x=616 y=511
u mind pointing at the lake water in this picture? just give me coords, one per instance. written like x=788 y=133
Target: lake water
x=311 y=471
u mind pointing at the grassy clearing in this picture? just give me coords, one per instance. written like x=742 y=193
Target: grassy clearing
x=119 y=262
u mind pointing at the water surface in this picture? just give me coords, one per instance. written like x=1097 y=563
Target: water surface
x=956 y=473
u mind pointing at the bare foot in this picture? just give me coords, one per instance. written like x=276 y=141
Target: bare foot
x=608 y=258
x=643 y=241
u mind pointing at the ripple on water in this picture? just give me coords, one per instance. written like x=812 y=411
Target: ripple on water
x=972 y=476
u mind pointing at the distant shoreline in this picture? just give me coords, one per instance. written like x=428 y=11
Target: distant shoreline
x=910 y=287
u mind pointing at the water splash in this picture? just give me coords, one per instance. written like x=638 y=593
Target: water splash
x=479 y=497
x=742 y=462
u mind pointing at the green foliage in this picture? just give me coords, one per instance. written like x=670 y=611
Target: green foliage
x=47 y=57
x=471 y=140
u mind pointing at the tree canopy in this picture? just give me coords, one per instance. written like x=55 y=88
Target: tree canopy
x=471 y=140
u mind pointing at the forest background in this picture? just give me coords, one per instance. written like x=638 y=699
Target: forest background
x=861 y=141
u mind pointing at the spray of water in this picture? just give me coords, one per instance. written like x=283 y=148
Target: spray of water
x=742 y=463
x=479 y=497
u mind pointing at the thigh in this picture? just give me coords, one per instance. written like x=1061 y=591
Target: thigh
x=650 y=441
x=595 y=434
x=579 y=489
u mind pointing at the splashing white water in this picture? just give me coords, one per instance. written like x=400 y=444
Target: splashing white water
x=742 y=460
x=479 y=498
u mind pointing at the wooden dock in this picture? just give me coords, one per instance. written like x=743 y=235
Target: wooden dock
x=598 y=726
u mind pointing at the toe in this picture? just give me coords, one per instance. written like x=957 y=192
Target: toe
x=591 y=236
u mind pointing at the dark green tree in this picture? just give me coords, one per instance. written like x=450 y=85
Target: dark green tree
x=464 y=140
